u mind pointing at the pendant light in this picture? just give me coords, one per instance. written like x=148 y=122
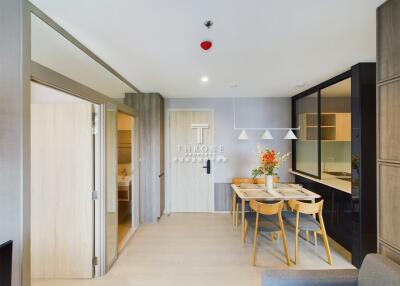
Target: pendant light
x=290 y=135
x=267 y=135
x=243 y=135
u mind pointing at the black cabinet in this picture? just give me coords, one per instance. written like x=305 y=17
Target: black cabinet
x=6 y=263
x=343 y=135
x=337 y=211
x=363 y=161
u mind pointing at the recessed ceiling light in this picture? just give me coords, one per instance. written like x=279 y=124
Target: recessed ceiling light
x=204 y=79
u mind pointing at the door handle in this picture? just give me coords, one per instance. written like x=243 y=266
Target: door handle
x=208 y=167
x=162 y=174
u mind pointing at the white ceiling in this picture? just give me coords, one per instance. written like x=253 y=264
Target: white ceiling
x=265 y=48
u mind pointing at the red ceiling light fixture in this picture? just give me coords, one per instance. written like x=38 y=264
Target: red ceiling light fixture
x=206 y=45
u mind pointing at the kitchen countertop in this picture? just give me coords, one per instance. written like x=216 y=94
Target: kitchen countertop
x=330 y=181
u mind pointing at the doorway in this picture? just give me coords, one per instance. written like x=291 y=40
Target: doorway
x=125 y=178
x=191 y=156
x=62 y=182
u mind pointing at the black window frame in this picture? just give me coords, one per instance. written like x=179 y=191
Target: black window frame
x=315 y=89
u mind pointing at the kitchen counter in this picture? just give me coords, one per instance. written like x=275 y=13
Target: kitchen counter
x=329 y=180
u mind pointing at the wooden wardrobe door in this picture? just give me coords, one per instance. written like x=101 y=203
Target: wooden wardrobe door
x=388 y=128
x=388 y=40
x=389 y=121
x=389 y=198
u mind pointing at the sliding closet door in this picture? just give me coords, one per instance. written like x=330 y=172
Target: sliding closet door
x=111 y=185
x=62 y=184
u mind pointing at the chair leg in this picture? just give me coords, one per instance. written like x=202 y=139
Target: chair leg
x=237 y=215
x=255 y=246
x=285 y=248
x=272 y=236
x=233 y=199
x=307 y=235
x=246 y=230
x=296 y=239
x=325 y=239
x=233 y=208
x=315 y=239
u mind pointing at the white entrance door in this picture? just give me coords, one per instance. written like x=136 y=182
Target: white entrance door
x=191 y=137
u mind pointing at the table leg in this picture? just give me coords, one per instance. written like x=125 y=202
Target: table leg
x=234 y=208
x=243 y=228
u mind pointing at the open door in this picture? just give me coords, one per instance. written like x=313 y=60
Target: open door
x=62 y=167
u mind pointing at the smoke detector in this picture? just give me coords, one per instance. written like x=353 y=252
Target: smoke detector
x=208 y=24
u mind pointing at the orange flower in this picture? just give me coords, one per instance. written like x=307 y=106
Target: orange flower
x=269 y=162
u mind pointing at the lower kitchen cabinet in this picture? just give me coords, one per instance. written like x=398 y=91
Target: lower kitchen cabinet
x=337 y=211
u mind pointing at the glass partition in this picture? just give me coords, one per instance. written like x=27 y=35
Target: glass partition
x=111 y=185
x=52 y=50
x=323 y=148
x=61 y=54
x=307 y=143
x=336 y=130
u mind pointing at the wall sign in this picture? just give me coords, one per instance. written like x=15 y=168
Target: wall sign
x=197 y=153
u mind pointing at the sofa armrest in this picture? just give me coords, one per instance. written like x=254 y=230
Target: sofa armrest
x=338 y=277
x=378 y=270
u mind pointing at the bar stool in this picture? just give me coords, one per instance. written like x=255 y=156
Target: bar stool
x=266 y=218
x=302 y=219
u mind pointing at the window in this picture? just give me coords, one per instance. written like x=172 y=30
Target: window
x=323 y=113
x=307 y=143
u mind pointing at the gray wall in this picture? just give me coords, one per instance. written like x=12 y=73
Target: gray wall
x=242 y=155
x=14 y=135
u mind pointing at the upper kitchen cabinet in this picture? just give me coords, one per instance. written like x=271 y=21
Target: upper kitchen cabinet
x=388 y=38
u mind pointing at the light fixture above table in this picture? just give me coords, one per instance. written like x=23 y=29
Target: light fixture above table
x=267 y=130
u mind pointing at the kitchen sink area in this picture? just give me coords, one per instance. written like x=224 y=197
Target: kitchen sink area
x=340 y=175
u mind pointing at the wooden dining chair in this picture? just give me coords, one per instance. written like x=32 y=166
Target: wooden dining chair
x=266 y=218
x=235 y=204
x=301 y=218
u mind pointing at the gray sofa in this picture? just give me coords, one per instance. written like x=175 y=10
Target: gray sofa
x=376 y=270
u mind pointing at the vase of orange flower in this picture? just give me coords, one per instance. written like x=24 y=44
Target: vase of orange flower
x=269 y=162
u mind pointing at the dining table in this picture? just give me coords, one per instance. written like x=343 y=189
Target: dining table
x=280 y=191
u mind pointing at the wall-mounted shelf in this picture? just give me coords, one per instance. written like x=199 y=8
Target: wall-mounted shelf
x=334 y=126
x=124 y=193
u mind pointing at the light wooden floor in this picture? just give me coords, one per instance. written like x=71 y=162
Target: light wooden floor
x=200 y=249
x=123 y=230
